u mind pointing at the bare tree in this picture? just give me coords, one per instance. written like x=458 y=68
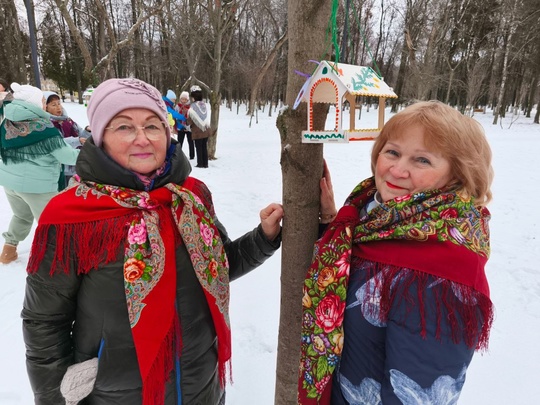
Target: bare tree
x=509 y=30
x=263 y=71
x=15 y=45
x=413 y=21
x=103 y=66
x=302 y=168
x=476 y=77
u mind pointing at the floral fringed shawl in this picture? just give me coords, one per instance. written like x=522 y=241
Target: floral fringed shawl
x=26 y=140
x=97 y=220
x=434 y=233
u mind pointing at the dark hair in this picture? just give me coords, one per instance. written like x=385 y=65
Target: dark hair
x=197 y=95
x=5 y=85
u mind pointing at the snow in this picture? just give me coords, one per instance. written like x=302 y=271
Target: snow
x=247 y=176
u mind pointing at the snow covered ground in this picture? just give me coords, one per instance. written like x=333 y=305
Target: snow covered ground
x=247 y=176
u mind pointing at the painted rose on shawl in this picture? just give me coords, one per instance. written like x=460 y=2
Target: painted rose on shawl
x=330 y=313
x=207 y=234
x=119 y=193
x=146 y=202
x=213 y=268
x=133 y=269
x=449 y=213
x=326 y=277
x=137 y=233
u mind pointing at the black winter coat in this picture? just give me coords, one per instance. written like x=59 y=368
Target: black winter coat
x=67 y=316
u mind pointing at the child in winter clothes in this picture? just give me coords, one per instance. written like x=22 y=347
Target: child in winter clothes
x=183 y=108
x=170 y=101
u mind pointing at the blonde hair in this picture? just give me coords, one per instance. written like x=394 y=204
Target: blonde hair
x=459 y=138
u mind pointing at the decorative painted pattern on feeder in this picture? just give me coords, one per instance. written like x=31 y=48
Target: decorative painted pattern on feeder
x=325 y=80
x=332 y=83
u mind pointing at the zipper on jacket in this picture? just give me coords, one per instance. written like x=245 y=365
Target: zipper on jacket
x=178 y=391
x=177 y=361
x=101 y=345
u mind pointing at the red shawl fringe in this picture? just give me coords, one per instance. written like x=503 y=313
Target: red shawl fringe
x=461 y=313
x=90 y=252
x=153 y=392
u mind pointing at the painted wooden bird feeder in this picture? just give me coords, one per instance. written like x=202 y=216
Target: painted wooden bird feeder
x=333 y=83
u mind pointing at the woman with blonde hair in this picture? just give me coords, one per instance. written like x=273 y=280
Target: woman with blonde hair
x=396 y=300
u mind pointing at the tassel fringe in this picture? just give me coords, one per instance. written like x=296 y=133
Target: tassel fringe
x=460 y=312
x=153 y=391
x=88 y=250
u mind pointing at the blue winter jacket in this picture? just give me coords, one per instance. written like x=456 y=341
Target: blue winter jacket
x=178 y=118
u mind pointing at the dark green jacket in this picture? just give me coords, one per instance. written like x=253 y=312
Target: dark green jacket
x=66 y=317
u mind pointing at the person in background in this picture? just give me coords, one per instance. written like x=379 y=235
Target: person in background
x=32 y=152
x=396 y=300
x=170 y=102
x=5 y=96
x=4 y=85
x=72 y=133
x=199 y=122
x=185 y=132
x=4 y=88
x=60 y=119
x=130 y=284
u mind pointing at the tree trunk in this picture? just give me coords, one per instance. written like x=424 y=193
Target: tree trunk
x=263 y=70
x=403 y=67
x=301 y=166
x=215 y=103
x=215 y=100
x=14 y=45
x=499 y=109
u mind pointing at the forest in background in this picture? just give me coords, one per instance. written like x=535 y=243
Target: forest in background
x=467 y=53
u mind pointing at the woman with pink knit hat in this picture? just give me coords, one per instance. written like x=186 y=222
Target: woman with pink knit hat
x=128 y=290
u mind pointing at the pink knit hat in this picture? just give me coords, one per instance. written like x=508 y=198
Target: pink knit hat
x=116 y=95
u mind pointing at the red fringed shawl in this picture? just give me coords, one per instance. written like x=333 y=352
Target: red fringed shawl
x=432 y=233
x=94 y=221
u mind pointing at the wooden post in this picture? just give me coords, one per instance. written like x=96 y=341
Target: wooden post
x=382 y=105
x=352 y=112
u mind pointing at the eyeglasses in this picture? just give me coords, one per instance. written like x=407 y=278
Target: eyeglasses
x=128 y=132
